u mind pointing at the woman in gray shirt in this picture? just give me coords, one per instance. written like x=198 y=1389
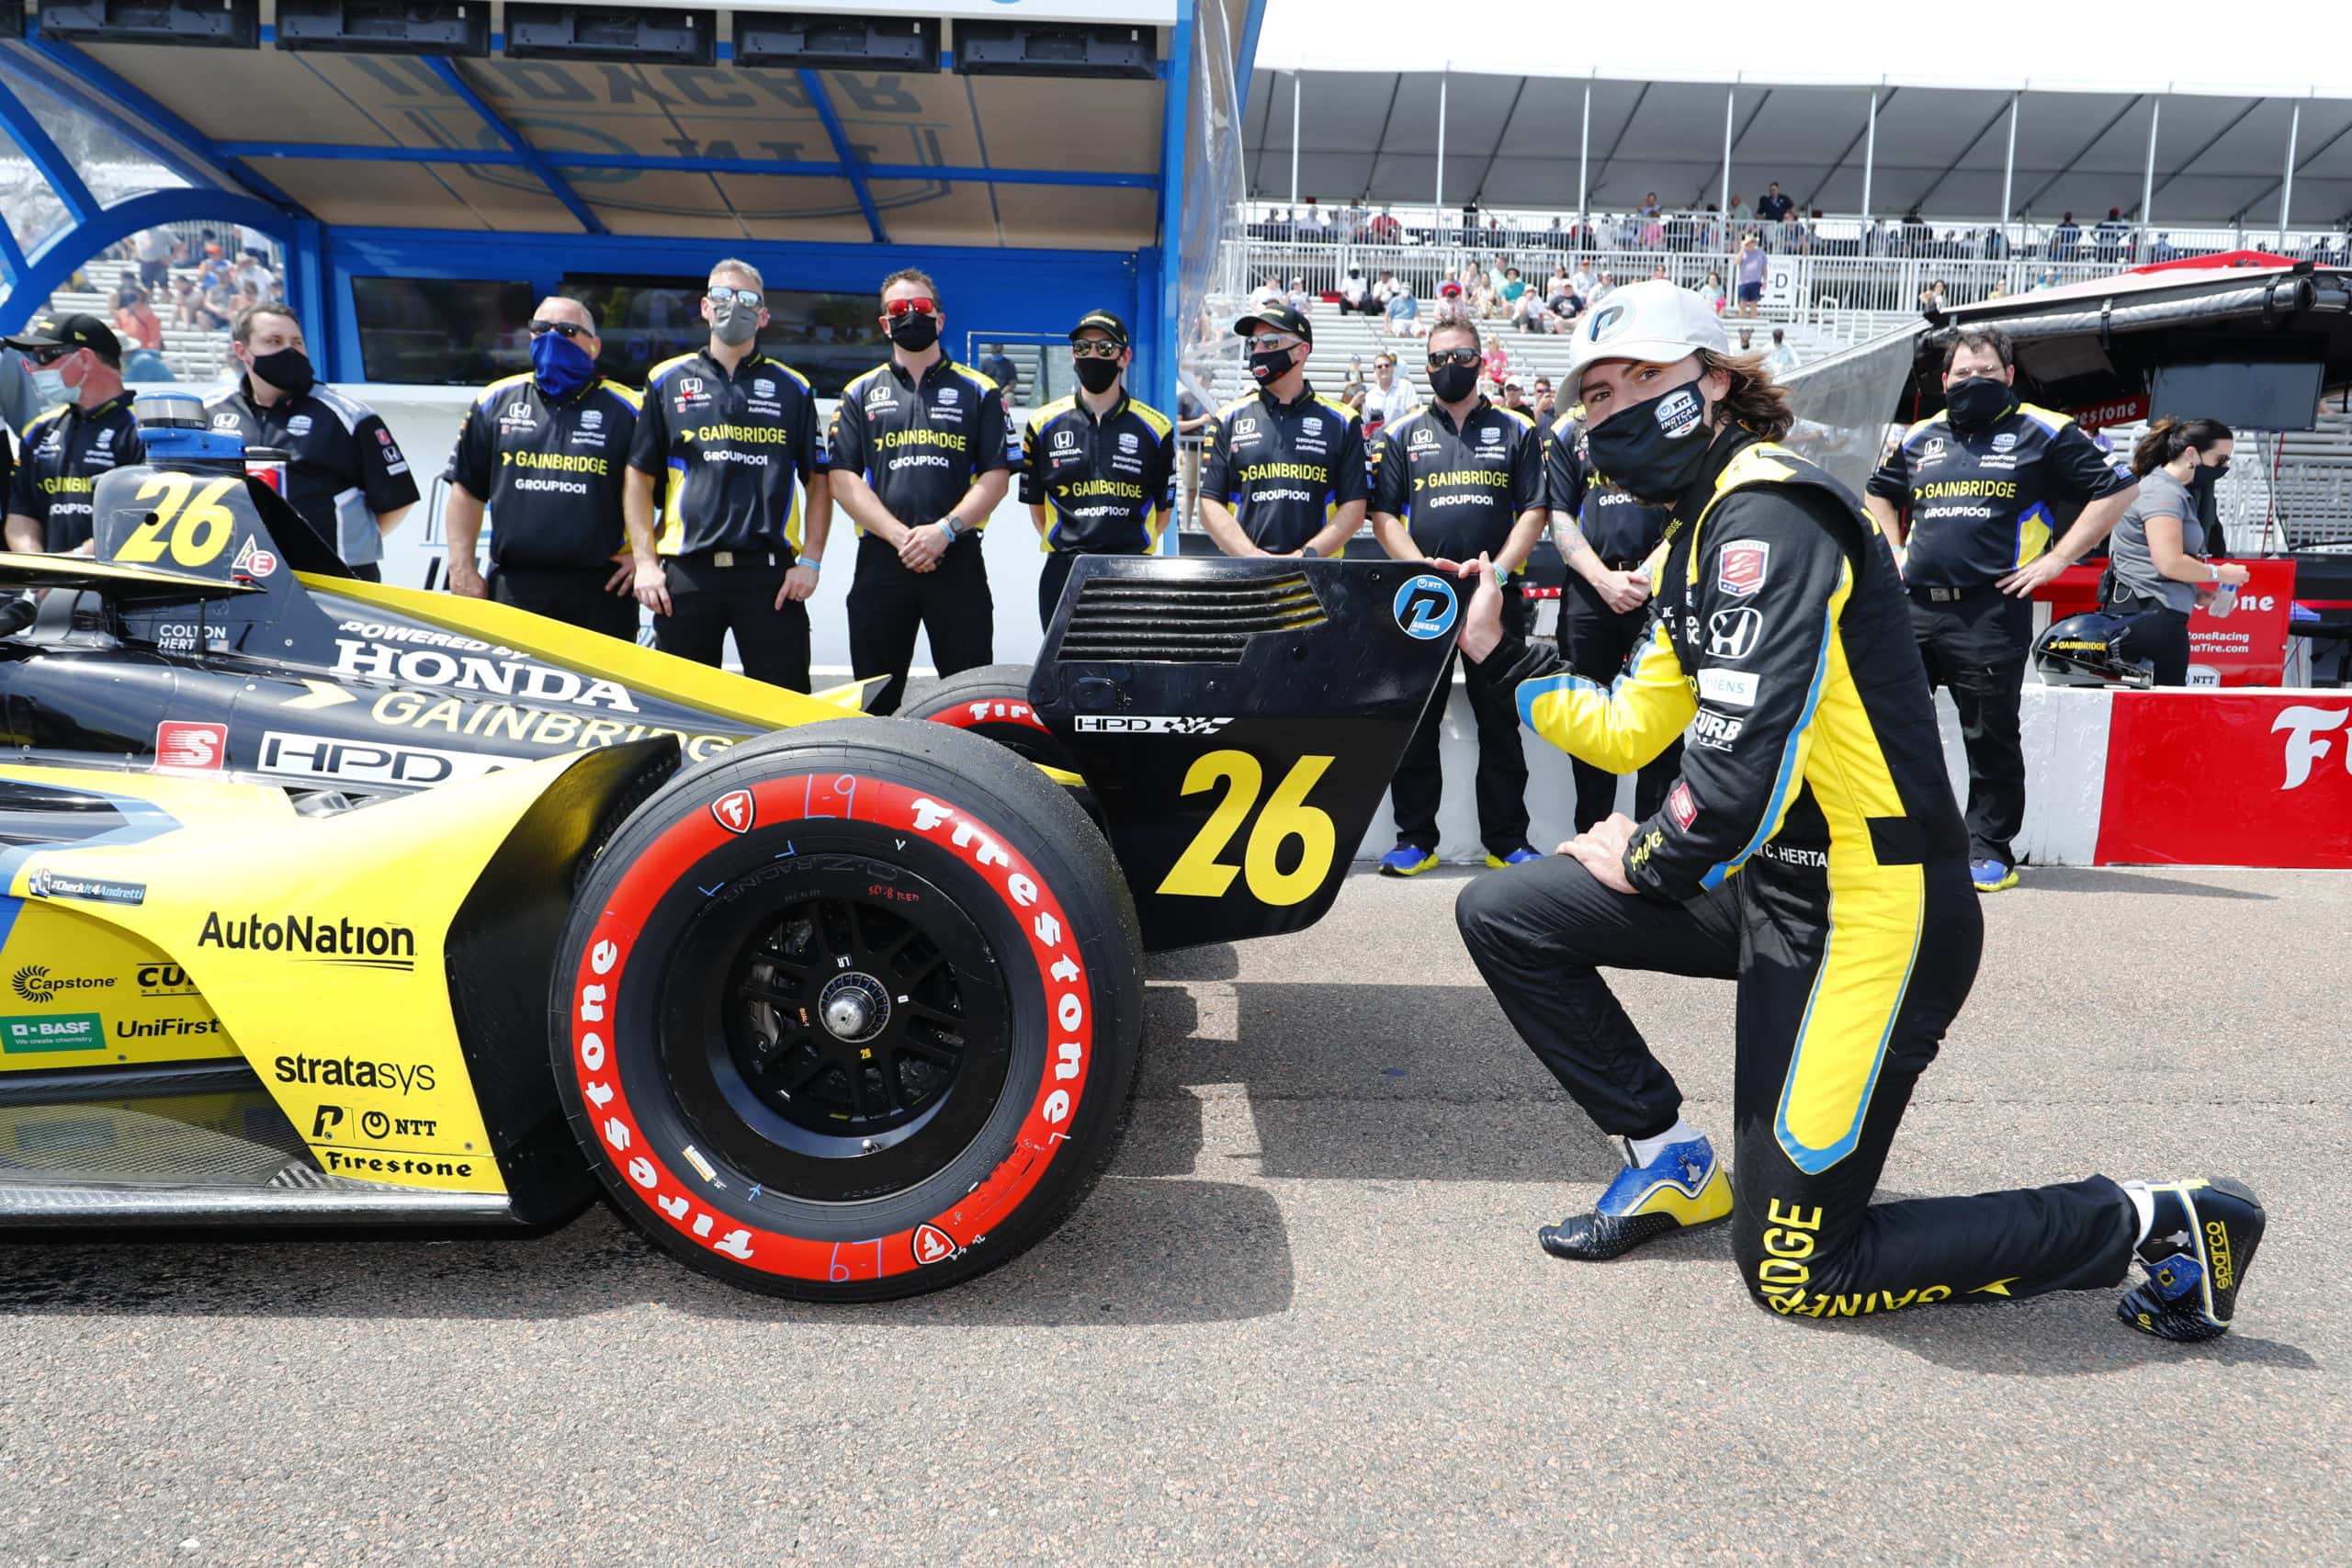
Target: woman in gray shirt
x=2155 y=570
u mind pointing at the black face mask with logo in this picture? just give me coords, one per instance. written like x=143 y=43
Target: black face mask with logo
x=1654 y=450
x=1270 y=364
x=1976 y=402
x=1098 y=376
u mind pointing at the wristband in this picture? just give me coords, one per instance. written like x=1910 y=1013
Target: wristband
x=812 y=562
x=953 y=524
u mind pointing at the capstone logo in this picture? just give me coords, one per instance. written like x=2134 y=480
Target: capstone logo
x=36 y=985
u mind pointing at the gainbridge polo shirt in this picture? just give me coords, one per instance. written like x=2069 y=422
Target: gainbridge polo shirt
x=65 y=451
x=1980 y=501
x=550 y=471
x=735 y=451
x=1108 y=485
x=1459 y=492
x=1285 y=467
x=922 y=444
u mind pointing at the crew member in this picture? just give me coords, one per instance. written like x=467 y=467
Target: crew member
x=734 y=434
x=77 y=366
x=547 y=453
x=1811 y=851
x=1605 y=537
x=1979 y=479
x=2156 y=569
x=1460 y=479
x=1098 y=469
x=344 y=477
x=1287 y=471
x=922 y=451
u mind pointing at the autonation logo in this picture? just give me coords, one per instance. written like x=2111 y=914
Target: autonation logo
x=317 y=939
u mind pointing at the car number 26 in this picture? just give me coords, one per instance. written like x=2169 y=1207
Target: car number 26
x=193 y=528
x=1200 y=873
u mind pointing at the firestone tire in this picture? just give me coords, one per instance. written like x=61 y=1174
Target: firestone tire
x=991 y=702
x=850 y=1012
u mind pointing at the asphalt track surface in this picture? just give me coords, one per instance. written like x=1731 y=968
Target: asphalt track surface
x=1304 y=1318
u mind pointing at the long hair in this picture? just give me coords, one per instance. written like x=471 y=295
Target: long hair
x=1755 y=402
x=2168 y=438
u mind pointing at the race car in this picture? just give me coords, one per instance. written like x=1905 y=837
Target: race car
x=329 y=902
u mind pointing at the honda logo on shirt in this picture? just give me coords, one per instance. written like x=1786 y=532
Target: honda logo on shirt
x=1064 y=440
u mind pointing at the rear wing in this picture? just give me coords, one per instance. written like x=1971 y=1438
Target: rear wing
x=1237 y=722
x=115 y=580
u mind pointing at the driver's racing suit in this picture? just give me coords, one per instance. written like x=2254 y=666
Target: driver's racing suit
x=1812 y=849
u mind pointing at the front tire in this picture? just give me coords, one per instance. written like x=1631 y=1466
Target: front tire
x=850 y=1012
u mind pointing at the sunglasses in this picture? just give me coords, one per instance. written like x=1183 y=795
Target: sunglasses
x=1441 y=358
x=1266 y=342
x=899 y=309
x=1094 y=349
x=569 y=329
x=750 y=299
x=48 y=357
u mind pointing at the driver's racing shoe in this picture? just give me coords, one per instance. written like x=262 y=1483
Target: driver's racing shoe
x=2196 y=1257
x=1686 y=1185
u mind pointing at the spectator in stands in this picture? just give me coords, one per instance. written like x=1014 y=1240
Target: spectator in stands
x=1515 y=396
x=1540 y=405
x=1355 y=295
x=1271 y=292
x=343 y=474
x=1782 y=359
x=1298 y=298
x=1514 y=287
x=1384 y=291
x=1747 y=339
x=2156 y=570
x=1739 y=213
x=135 y=320
x=1487 y=304
x=1391 y=397
x=998 y=366
x=2110 y=235
x=253 y=275
x=1385 y=229
x=1403 y=316
x=2161 y=251
x=1529 y=313
x=153 y=249
x=2065 y=238
x=1712 y=291
x=184 y=301
x=1749 y=268
x=1580 y=281
x=1496 y=362
x=1649 y=204
x=2048 y=279
x=1658 y=274
x=1773 y=207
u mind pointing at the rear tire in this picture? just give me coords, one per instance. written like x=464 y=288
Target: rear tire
x=850 y=1012
x=991 y=702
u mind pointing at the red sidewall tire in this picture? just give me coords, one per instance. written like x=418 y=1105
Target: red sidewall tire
x=682 y=888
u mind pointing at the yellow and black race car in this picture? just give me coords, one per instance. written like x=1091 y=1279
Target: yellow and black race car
x=329 y=903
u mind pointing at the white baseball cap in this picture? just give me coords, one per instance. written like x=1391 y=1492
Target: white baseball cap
x=1657 y=321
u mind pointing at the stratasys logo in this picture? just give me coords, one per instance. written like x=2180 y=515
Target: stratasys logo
x=347 y=1072
x=315 y=939
x=38 y=987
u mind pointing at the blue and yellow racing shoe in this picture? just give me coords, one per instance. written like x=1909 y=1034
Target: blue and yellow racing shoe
x=1686 y=1185
x=1519 y=856
x=1407 y=859
x=2196 y=1257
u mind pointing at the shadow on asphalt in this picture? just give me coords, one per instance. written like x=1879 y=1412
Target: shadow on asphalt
x=2074 y=1334
x=1136 y=1252
x=2092 y=879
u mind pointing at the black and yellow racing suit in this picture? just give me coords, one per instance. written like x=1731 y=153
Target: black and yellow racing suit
x=1811 y=850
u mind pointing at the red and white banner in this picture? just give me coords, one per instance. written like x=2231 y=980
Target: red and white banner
x=2228 y=778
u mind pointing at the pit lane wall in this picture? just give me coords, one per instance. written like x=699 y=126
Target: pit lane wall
x=2251 y=776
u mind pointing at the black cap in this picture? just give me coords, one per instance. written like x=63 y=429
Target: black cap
x=72 y=332
x=1278 y=316
x=1102 y=322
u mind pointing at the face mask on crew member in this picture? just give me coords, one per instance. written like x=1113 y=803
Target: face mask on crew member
x=1453 y=383
x=563 y=365
x=2206 y=476
x=1653 y=450
x=732 y=323
x=1098 y=376
x=289 y=370
x=914 y=331
x=1977 y=401
x=1271 y=364
x=49 y=385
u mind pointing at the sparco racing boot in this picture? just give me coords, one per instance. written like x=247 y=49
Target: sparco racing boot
x=2196 y=1256
x=1685 y=1185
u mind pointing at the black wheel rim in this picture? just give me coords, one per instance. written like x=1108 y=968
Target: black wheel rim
x=849 y=1034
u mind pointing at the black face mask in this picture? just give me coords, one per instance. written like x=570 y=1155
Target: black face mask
x=914 y=331
x=1976 y=402
x=1098 y=376
x=289 y=370
x=2206 y=478
x=1451 y=383
x=1654 y=450
x=1270 y=364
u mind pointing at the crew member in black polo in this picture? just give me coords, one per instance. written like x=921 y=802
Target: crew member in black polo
x=921 y=450
x=1098 y=468
x=1287 y=471
x=547 y=452
x=1605 y=537
x=733 y=434
x=344 y=477
x=1979 y=479
x=79 y=360
x=1459 y=479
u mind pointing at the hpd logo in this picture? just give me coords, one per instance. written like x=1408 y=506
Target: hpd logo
x=1426 y=607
